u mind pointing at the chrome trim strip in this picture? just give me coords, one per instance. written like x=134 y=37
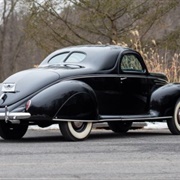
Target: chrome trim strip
x=115 y=119
x=139 y=119
x=93 y=75
x=103 y=76
x=2 y=96
x=6 y=114
x=78 y=120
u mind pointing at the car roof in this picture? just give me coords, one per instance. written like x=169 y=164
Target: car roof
x=101 y=57
x=95 y=47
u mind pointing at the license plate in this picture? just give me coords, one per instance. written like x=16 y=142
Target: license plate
x=8 y=87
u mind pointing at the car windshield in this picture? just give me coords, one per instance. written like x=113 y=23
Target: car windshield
x=74 y=57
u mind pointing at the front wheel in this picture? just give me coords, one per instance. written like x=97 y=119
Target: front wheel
x=12 y=131
x=74 y=131
x=119 y=126
x=174 y=123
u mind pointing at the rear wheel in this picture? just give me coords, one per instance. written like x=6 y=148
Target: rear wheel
x=174 y=123
x=74 y=131
x=120 y=127
x=12 y=131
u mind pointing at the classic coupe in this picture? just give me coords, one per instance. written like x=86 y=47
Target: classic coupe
x=78 y=86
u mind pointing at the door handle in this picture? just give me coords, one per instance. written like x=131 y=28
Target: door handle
x=123 y=78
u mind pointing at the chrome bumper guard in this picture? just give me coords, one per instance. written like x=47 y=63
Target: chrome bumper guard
x=8 y=116
x=15 y=115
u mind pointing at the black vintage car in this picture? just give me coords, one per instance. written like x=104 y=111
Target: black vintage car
x=81 y=85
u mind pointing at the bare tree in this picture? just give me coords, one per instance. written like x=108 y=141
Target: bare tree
x=59 y=23
x=28 y=34
x=6 y=36
x=16 y=50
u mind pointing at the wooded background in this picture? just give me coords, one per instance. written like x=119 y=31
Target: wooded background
x=31 y=29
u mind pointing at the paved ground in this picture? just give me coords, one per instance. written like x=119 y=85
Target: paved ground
x=141 y=155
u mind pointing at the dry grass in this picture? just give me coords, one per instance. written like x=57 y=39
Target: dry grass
x=169 y=65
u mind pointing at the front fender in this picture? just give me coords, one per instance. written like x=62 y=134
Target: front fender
x=67 y=99
x=164 y=99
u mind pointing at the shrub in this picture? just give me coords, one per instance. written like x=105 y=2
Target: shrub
x=156 y=59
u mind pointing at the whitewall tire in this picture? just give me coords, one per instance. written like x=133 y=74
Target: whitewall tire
x=74 y=131
x=174 y=123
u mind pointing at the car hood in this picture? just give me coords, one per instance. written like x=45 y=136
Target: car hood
x=26 y=83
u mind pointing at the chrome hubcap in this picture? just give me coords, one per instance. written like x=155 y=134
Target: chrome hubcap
x=77 y=125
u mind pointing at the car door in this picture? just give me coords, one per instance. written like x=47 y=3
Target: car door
x=134 y=85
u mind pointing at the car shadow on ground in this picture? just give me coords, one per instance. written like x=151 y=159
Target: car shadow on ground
x=132 y=133
x=40 y=136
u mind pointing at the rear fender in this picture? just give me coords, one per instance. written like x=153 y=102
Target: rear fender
x=164 y=99
x=67 y=99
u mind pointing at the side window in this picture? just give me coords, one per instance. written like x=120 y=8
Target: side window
x=130 y=63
